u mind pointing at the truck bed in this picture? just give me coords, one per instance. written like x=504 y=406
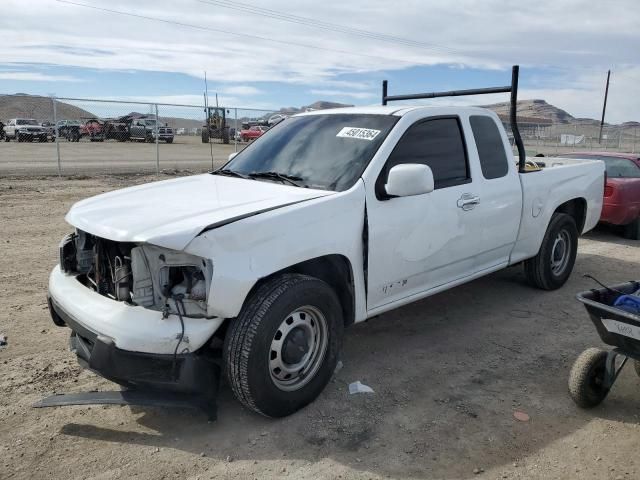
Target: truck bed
x=560 y=180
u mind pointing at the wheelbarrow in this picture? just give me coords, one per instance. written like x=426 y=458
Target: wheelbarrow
x=596 y=370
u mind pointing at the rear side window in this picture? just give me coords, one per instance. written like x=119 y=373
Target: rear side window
x=437 y=143
x=493 y=159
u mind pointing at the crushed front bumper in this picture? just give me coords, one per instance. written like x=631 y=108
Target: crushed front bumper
x=193 y=373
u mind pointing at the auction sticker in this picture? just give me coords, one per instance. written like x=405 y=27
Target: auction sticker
x=360 y=133
x=620 y=328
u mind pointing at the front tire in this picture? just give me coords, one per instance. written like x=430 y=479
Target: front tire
x=587 y=376
x=283 y=348
x=550 y=269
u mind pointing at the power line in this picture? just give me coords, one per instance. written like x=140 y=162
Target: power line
x=227 y=32
x=278 y=15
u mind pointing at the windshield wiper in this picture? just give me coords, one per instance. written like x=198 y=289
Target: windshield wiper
x=230 y=173
x=290 y=179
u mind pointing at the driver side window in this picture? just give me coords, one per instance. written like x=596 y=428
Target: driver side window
x=435 y=142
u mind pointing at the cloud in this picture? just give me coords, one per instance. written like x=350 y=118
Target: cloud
x=241 y=90
x=242 y=48
x=343 y=93
x=36 y=77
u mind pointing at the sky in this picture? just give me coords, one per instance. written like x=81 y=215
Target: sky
x=276 y=53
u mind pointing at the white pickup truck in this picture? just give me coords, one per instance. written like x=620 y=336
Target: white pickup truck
x=328 y=219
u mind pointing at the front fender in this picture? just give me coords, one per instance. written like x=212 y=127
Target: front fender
x=248 y=250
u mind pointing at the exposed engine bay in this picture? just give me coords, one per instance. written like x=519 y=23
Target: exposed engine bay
x=139 y=274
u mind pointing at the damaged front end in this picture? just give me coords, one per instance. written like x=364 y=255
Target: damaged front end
x=139 y=316
x=145 y=275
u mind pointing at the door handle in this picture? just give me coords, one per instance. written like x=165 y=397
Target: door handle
x=468 y=201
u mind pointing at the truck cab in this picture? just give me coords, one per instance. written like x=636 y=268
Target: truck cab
x=149 y=129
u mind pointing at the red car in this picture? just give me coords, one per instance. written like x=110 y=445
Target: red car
x=252 y=133
x=93 y=129
x=621 y=191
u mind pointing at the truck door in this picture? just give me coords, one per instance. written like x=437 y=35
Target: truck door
x=136 y=130
x=498 y=185
x=419 y=243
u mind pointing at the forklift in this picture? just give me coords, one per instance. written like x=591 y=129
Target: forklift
x=216 y=125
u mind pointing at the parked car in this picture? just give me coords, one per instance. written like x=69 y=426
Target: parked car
x=50 y=128
x=334 y=217
x=622 y=190
x=93 y=129
x=276 y=118
x=70 y=129
x=146 y=129
x=1 y=130
x=117 y=128
x=252 y=132
x=24 y=129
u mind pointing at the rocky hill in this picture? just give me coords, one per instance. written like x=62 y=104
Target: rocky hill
x=319 y=105
x=536 y=109
x=39 y=108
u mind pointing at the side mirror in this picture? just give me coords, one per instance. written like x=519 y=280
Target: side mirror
x=231 y=155
x=409 y=179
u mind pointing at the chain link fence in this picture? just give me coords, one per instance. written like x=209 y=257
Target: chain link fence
x=71 y=136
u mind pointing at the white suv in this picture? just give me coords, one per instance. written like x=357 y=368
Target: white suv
x=23 y=129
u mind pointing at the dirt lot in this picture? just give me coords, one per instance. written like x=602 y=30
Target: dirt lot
x=448 y=374
x=86 y=157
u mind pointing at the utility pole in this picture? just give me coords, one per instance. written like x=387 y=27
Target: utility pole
x=604 y=106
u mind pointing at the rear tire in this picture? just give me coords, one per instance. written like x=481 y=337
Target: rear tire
x=632 y=230
x=291 y=321
x=552 y=266
x=587 y=377
x=205 y=136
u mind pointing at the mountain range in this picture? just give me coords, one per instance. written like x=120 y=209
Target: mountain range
x=41 y=108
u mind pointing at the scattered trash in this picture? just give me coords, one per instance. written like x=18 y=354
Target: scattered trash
x=3 y=340
x=521 y=416
x=478 y=471
x=339 y=366
x=358 y=387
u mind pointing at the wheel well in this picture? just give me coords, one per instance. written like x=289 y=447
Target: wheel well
x=335 y=270
x=577 y=208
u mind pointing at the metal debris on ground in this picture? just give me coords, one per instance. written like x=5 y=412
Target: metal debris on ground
x=358 y=387
x=3 y=340
x=521 y=416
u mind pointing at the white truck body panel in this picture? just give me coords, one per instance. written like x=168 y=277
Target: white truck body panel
x=172 y=212
x=562 y=180
x=415 y=246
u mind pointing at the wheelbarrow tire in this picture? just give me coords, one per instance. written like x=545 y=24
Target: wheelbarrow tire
x=587 y=376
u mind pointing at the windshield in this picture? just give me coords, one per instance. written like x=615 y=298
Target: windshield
x=150 y=123
x=616 y=167
x=327 y=152
x=26 y=122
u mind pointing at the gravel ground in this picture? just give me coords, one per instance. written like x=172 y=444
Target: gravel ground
x=448 y=373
